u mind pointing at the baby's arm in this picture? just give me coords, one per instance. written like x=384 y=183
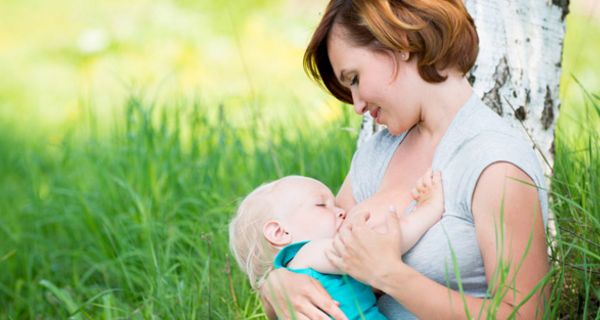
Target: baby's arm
x=430 y=206
x=312 y=255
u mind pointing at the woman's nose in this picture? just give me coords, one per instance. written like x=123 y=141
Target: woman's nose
x=360 y=106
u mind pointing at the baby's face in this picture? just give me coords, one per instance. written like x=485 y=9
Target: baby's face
x=307 y=209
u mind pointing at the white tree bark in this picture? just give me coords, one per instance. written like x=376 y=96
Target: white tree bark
x=518 y=69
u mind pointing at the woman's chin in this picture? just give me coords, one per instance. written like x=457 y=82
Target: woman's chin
x=394 y=131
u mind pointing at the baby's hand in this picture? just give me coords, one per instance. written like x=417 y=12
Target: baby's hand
x=429 y=193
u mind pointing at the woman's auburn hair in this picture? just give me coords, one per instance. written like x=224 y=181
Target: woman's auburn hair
x=440 y=34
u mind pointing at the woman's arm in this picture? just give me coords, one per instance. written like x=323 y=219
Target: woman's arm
x=498 y=197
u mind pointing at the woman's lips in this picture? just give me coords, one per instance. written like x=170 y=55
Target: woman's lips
x=375 y=114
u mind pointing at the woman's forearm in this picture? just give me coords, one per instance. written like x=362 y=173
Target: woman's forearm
x=428 y=299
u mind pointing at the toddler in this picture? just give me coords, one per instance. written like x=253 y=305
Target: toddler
x=291 y=222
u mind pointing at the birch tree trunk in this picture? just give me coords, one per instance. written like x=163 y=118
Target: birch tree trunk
x=517 y=72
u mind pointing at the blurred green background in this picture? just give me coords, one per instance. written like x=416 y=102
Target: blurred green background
x=61 y=57
x=129 y=130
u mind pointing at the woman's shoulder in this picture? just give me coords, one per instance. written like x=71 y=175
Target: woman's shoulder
x=481 y=129
x=481 y=140
x=481 y=119
x=486 y=138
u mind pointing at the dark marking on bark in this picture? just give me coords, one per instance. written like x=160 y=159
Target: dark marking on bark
x=471 y=78
x=514 y=94
x=520 y=113
x=527 y=96
x=471 y=75
x=501 y=76
x=564 y=5
x=548 y=112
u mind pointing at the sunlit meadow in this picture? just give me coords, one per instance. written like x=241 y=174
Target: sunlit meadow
x=129 y=131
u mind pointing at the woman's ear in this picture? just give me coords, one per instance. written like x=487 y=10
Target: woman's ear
x=276 y=234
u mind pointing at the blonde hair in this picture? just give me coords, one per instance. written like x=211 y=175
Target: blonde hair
x=251 y=250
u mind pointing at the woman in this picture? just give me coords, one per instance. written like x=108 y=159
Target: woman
x=405 y=62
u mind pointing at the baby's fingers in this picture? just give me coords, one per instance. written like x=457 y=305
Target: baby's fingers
x=415 y=193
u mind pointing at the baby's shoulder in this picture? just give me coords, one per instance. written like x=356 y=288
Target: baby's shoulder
x=310 y=253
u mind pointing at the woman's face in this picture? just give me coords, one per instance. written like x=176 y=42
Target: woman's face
x=383 y=84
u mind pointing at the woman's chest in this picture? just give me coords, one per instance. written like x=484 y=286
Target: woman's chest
x=406 y=166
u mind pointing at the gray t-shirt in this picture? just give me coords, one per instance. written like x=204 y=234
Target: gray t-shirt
x=476 y=138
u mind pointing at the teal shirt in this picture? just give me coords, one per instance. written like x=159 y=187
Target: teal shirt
x=356 y=299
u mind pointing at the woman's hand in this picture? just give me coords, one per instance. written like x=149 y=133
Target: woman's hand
x=365 y=254
x=298 y=296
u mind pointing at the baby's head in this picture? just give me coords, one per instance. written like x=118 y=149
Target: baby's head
x=279 y=213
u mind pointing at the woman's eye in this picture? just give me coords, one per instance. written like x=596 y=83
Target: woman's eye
x=354 y=81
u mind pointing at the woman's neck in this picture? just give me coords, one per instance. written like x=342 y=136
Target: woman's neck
x=441 y=106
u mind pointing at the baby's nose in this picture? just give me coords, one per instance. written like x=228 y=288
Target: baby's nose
x=342 y=214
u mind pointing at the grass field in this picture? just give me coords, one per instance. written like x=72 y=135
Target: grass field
x=124 y=216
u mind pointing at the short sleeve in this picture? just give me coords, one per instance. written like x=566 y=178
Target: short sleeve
x=486 y=149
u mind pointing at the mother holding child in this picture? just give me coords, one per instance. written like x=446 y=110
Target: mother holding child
x=478 y=248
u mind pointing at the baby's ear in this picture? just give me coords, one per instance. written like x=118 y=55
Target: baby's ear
x=276 y=234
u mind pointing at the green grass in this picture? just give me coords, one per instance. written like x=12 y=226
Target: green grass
x=134 y=224
x=576 y=202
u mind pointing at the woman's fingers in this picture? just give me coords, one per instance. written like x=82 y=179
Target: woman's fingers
x=321 y=304
x=310 y=314
x=327 y=307
x=297 y=295
x=335 y=259
x=338 y=244
x=393 y=223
